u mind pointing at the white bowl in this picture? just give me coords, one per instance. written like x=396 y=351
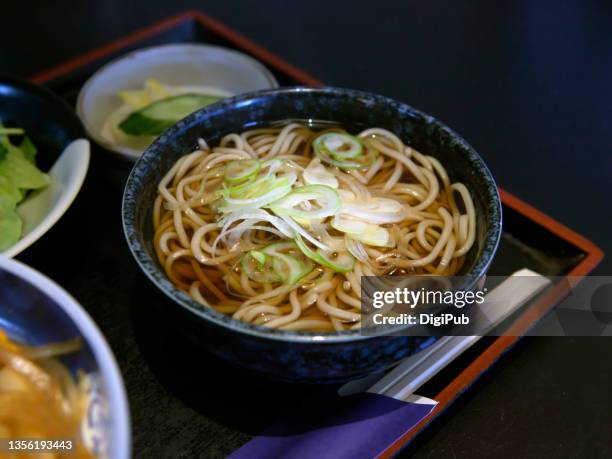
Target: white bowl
x=44 y=207
x=225 y=71
x=63 y=152
x=36 y=310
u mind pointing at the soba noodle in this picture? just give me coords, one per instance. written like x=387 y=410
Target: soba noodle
x=276 y=226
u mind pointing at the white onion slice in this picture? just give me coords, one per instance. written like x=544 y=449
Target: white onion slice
x=317 y=174
x=365 y=232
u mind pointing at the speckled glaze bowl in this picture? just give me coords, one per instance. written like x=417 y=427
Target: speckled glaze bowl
x=285 y=355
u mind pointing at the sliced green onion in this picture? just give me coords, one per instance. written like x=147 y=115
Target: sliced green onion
x=286 y=265
x=247 y=189
x=250 y=217
x=274 y=264
x=255 y=215
x=317 y=174
x=257 y=194
x=358 y=162
x=259 y=272
x=326 y=197
x=367 y=233
x=326 y=158
x=356 y=249
x=272 y=165
x=241 y=170
x=259 y=257
x=297 y=229
x=339 y=145
x=375 y=210
x=343 y=262
x=232 y=236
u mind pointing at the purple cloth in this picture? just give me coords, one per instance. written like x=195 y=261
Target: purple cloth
x=361 y=425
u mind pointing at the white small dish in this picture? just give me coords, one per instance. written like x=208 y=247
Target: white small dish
x=44 y=207
x=224 y=71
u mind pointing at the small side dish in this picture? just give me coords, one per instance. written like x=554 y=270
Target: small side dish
x=130 y=101
x=18 y=176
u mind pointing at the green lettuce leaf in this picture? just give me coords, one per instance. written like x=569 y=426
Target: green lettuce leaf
x=18 y=175
x=8 y=191
x=10 y=224
x=20 y=171
x=3 y=151
x=29 y=150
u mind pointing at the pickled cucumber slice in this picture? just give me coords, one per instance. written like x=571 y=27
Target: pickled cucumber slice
x=158 y=116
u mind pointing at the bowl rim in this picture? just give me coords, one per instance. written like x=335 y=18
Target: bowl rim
x=149 y=266
x=45 y=93
x=130 y=154
x=120 y=442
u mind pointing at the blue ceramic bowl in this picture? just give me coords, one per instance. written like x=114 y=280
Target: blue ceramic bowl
x=35 y=310
x=292 y=356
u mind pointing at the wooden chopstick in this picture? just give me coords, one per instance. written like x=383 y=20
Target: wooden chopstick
x=499 y=304
x=416 y=370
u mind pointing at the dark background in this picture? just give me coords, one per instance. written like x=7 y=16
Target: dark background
x=528 y=83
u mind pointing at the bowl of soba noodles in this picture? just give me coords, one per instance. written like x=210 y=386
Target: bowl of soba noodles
x=258 y=216
x=61 y=391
